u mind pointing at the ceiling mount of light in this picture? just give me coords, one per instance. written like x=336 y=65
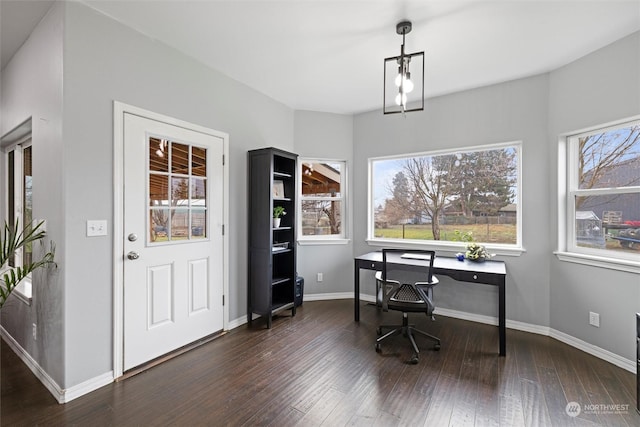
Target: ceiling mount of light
x=403 y=78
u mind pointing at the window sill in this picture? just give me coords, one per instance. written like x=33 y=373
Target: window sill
x=451 y=247
x=598 y=261
x=23 y=291
x=309 y=242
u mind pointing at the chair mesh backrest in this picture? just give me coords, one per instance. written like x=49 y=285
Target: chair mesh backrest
x=407 y=293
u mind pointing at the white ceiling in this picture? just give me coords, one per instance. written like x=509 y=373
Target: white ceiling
x=327 y=55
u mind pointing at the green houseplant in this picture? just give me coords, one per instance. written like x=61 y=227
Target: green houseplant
x=12 y=239
x=278 y=212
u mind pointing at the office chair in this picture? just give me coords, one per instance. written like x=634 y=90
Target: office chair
x=408 y=298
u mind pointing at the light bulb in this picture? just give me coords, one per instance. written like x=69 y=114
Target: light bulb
x=401 y=99
x=407 y=84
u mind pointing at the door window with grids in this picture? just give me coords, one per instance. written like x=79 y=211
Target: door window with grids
x=177 y=191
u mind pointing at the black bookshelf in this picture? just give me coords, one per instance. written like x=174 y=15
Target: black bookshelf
x=272 y=250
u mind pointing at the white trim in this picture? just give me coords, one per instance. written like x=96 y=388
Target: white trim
x=325 y=241
x=31 y=363
x=61 y=395
x=593 y=350
x=331 y=296
x=242 y=320
x=88 y=386
x=598 y=261
x=444 y=246
x=119 y=109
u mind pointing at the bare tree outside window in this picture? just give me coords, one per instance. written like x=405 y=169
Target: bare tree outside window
x=604 y=189
x=430 y=197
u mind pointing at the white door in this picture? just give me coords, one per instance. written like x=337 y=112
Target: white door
x=173 y=244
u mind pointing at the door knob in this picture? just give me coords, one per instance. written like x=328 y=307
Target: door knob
x=133 y=255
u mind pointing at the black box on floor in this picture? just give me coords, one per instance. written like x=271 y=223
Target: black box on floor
x=297 y=300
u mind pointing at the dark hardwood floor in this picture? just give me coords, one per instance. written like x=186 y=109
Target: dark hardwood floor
x=320 y=368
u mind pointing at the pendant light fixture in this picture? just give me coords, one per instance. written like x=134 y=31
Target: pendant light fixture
x=403 y=78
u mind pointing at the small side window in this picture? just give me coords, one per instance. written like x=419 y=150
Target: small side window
x=322 y=200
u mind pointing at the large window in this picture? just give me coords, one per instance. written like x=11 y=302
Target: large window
x=439 y=197
x=322 y=200
x=603 y=192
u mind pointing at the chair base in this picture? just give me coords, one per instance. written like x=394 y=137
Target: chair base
x=407 y=330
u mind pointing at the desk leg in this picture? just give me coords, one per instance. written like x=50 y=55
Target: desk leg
x=502 y=324
x=356 y=292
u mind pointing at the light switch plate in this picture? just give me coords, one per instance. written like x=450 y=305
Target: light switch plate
x=96 y=227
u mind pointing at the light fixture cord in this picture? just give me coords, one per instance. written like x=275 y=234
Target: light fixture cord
x=403 y=73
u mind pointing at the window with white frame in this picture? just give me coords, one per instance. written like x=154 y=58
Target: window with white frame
x=322 y=200
x=19 y=190
x=439 y=197
x=603 y=193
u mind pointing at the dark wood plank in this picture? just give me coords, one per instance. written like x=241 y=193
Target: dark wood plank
x=320 y=368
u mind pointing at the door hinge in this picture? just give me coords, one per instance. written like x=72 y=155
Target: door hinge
x=223 y=160
x=222 y=299
x=223 y=229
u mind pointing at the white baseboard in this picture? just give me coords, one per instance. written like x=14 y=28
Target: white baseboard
x=331 y=296
x=596 y=351
x=60 y=394
x=237 y=322
x=88 y=386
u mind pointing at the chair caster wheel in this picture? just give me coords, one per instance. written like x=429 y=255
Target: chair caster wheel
x=379 y=331
x=436 y=347
x=378 y=348
x=414 y=359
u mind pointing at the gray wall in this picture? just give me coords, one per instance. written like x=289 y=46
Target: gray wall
x=597 y=89
x=512 y=111
x=32 y=87
x=326 y=136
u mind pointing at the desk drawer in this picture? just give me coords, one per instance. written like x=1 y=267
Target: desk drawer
x=477 y=277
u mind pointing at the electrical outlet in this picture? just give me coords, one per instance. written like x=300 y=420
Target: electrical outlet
x=34 y=331
x=319 y=278
x=594 y=319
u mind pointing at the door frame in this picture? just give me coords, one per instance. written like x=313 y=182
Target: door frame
x=119 y=110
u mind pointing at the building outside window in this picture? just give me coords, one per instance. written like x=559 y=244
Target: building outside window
x=322 y=200
x=441 y=197
x=603 y=193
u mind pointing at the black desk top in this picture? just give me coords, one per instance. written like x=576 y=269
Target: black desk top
x=440 y=263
